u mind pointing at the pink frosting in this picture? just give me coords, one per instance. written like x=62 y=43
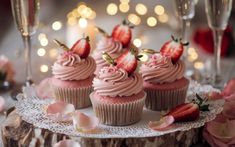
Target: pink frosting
x=113 y=81
x=106 y=44
x=69 y=66
x=160 y=69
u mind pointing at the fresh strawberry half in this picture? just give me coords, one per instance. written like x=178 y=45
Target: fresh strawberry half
x=122 y=32
x=82 y=47
x=189 y=111
x=173 y=49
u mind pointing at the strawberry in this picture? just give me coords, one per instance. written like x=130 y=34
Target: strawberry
x=82 y=47
x=173 y=49
x=122 y=32
x=189 y=111
x=127 y=61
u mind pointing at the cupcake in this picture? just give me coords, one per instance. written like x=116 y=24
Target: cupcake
x=73 y=74
x=118 y=98
x=114 y=45
x=163 y=76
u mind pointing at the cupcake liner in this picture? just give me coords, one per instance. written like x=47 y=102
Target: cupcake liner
x=158 y=100
x=118 y=114
x=79 y=97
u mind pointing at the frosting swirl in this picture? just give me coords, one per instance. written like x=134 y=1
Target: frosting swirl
x=113 y=81
x=107 y=44
x=160 y=69
x=69 y=66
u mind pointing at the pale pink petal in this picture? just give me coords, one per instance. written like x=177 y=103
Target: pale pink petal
x=230 y=97
x=213 y=95
x=67 y=143
x=162 y=124
x=224 y=132
x=60 y=111
x=229 y=89
x=84 y=123
x=43 y=90
x=229 y=109
x=214 y=142
x=2 y=103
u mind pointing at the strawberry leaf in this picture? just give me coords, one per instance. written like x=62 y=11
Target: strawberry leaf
x=204 y=107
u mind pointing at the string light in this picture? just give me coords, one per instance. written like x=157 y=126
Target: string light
x=141 y=9
x=159 y=9
x=43 y=68
x=82 y=22
x=151 y=21
x=137 y=42
x=44 y=41
x=41 y=52
x=112 y=9
x=134 y=19
x=163 y=18
x=124 y=7
x=199 y=65
x=57 y=25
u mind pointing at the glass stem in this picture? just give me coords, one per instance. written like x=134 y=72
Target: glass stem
x=185 y=26
x=217 y=35
x=27 y=53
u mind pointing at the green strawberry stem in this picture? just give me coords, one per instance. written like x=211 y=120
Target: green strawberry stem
x=201 y=103
x=3 y=76
x=63 y=46
x=105 y=34
x=150 y=51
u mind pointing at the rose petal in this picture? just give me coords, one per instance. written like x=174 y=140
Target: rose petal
x=162 y=124
x=223 y=131
x=229 y=89
x=43 y=90
x=2 y=103
x=84 y=123
x=214 y=142
x=230 y=97
x=60 y=111
x=213 y=95
x=229 y=109
x=67 y=143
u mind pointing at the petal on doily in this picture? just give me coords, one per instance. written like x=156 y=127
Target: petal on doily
x=224 y=131
x=84 y=123
x=213 y=95
x=229 y=89
x=60 y=111
x=43 y=90
x=2 y=103
x=229 y=109
x=230 y=97
x=67 y=143
x=162 y=124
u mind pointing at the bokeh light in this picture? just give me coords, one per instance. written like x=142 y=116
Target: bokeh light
x=134 y=19
x=53 y=52
x=41 y=52
x=57 y=25
x=41 y=35
x=44 y=41
x=112 y=9
x=124 y=1
x=163 y=18
x=159 y=9
x=151 y=21
x=124 y=7
x=199 y=65
x=43 y=68
x=141 y=9
x=82 y=22
x=72 y=21
x=137 y=42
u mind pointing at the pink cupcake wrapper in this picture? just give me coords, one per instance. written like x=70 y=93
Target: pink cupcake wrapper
x=158 y=100
x=79 y=97
x=118 y=114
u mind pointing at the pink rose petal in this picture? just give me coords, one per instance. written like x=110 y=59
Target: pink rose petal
x=229 y=89
x=2 y=104
x=43 y=90
x=162 y=124
x=214 y=142
x=225 y=131
x=60 y=111
x=84 y=123
x=213 y=95
x=229 y=109
x=230 y=97
x=67 y=143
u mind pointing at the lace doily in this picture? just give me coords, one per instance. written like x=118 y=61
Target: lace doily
x=31 y=108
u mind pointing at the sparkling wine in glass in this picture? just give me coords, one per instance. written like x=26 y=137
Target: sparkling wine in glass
x=25 y=14
x=218 y=12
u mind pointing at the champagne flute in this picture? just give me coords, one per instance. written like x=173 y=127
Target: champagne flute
x=25 y=14
x=218 y=12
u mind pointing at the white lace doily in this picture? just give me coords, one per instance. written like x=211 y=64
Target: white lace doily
x=30 y=107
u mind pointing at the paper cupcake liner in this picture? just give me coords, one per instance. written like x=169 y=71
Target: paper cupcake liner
x=79 y=97
x=118 y=114
x=158 y=100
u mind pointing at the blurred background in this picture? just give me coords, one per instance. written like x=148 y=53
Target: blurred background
x=155 y=21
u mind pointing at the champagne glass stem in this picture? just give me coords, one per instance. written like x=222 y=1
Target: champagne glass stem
x=184 y=35
x=217 y=35
x=27 y=46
